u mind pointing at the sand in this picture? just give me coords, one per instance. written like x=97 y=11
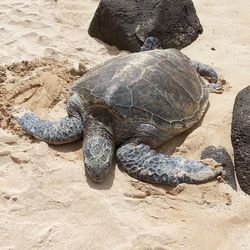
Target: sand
x=46 y=201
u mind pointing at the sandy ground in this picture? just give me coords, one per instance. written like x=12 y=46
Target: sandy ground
x=46 y=202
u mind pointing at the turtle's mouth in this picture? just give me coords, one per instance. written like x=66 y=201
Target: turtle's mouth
x=97 y=180
x=97 y=174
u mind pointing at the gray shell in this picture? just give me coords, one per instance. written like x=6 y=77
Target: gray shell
x=158 y=87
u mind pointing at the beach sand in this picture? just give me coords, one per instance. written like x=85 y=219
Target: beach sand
x=46 y=201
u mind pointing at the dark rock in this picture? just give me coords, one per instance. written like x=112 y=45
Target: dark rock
x=126 y=24
x=222 y=156
x=240 y=136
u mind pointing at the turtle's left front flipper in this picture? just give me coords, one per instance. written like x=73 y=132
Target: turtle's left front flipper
x=142 y=163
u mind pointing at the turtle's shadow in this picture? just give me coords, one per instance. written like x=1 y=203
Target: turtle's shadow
x=67 y=148
x=112 y=50
x=170 y=146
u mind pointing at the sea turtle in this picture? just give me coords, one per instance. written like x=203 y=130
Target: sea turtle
x=131 y=104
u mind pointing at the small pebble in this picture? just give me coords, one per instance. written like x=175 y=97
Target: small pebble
x=2 y=79
x=6 y=196
x=78 y=71
x=14 y=198
x=176 y=190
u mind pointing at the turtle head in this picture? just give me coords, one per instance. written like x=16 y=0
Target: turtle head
x=97 y=171
x=98 y=150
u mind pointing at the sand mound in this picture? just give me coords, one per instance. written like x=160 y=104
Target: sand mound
x=24 y=83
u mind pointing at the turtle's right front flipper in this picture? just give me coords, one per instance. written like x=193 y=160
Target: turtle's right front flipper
x=68 y=129
x=142 y=163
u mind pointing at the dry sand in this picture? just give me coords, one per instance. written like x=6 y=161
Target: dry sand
x=46 y=202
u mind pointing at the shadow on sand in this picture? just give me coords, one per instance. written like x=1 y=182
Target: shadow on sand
x=167 y=148
x=112 y=50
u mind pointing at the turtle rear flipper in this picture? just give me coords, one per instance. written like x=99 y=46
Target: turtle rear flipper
x=205 y=71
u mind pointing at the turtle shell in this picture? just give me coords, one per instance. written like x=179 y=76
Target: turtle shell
x=158 y=87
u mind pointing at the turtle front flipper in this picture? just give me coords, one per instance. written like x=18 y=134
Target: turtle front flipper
x=68 y=129
x=205 y=71
x=144 y=164
x=98 y=149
